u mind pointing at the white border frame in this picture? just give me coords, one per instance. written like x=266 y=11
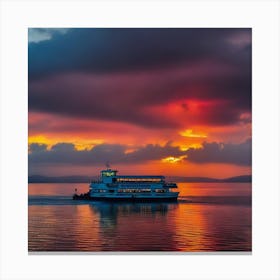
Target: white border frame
x=17 y=16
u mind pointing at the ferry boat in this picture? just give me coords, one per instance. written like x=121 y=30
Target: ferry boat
x=115 y=187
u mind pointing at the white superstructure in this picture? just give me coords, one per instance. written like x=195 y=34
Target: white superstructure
x=111 y=186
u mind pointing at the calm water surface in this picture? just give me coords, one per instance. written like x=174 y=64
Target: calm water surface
x=207 y=217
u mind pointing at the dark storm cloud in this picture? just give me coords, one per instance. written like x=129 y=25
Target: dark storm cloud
x=65 y=153
x=120 y=74
x=239 y=154
x=131 y=98
x=106 y=50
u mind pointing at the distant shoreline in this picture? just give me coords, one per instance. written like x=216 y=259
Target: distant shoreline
x=85 y=179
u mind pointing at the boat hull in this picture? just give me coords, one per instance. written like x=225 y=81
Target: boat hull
x=126 y=199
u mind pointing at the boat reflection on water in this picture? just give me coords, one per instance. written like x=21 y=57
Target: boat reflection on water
x=130 y=227
x=110 y=212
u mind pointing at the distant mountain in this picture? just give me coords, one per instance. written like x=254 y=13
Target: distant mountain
x=242 y=178
x=190 y=179
x=86 y=179
x=236 y=179
x=62 y=179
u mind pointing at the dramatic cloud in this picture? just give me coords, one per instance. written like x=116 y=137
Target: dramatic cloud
x=100 y=154
x=106 y=50
x=65 y=153
x=119 y=94
x=240 y=154
x=134 y=75
x=144 y=97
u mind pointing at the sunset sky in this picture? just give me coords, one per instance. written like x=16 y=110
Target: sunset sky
x=148 y=101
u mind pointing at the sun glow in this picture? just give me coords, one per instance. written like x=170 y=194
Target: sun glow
x=186 y=147
x=83 y=146
x=191 y=134
x=40 y=139
x=173 y=159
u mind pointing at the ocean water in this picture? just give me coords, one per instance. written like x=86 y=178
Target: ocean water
x=208 y=217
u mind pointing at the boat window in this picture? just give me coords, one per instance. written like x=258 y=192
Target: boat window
x=126 y=190
x=98 y=191
x=153 y=180
x=110 y=173
x=159 y=190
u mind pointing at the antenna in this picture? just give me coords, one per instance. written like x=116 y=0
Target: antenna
x=107 y=164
